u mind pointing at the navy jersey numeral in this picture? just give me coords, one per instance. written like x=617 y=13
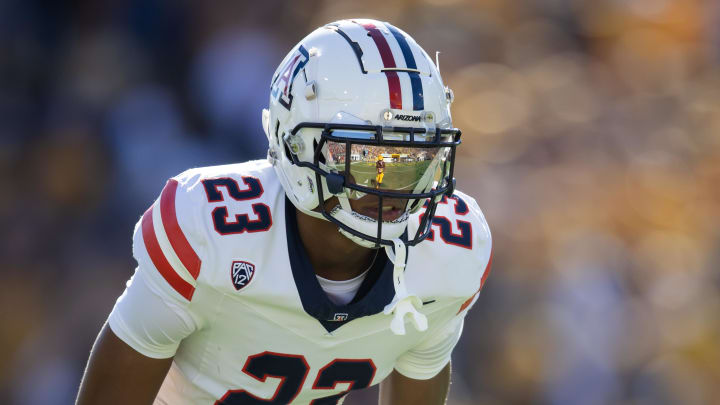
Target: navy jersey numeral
x=464 y=237
x=242 y=223
x=292 y=371
x=358 y=373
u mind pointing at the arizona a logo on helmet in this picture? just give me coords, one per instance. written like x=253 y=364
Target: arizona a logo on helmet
x=282 y=83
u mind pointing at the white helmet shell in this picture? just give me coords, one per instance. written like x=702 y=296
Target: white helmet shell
x=348 y=72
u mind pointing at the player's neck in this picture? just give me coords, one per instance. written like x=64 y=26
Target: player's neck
x=333 y=256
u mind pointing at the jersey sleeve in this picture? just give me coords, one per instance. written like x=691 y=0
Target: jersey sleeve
x=156 y=312
x=148 y=322
x=426 y=359
x=471 y=267
x=484 y=256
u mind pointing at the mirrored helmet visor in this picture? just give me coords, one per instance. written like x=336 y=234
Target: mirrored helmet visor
x=394 y=168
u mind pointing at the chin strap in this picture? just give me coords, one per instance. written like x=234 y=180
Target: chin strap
x=403 y=303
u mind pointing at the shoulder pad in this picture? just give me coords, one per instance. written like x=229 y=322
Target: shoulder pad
x=176 y=233
x=454 y=260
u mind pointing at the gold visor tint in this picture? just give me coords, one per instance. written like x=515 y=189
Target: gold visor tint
x=396 y=168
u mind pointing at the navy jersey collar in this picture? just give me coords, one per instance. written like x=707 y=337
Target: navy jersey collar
x=374 y=294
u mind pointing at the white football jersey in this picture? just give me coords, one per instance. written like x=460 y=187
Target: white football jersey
x=224 y=285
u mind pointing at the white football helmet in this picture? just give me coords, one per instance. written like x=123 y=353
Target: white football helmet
x=359 y=112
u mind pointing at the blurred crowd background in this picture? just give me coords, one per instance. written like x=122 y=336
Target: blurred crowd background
x=591 y=141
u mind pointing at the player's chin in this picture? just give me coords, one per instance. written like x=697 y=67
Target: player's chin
x=388 y=214
x=392 y=209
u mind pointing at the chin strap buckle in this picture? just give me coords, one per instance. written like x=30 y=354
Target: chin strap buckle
x=335 y=183
x=403 y=304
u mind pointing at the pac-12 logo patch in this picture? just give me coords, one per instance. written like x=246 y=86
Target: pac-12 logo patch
x=241 y=273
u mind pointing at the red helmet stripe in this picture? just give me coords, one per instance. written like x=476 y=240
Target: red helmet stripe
x=389 y=62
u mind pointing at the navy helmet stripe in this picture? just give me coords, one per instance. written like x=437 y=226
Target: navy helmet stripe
x=407 y=53
x=415 y=82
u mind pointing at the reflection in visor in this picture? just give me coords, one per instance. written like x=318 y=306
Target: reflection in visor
x=404 y=169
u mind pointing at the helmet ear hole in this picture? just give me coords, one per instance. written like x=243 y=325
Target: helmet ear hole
x=277 y=128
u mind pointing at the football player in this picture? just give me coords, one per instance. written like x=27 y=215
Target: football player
x=293 y=280
x=380 y=168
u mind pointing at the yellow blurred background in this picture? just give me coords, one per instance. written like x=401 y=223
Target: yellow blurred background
x=591 y=139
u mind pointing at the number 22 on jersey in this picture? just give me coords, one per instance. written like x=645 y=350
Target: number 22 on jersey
x=292 y=370
x=464 y=237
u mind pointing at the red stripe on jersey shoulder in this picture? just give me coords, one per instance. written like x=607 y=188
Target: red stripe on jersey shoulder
x=175 y=235
x=158 y=258
x=482 y=283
